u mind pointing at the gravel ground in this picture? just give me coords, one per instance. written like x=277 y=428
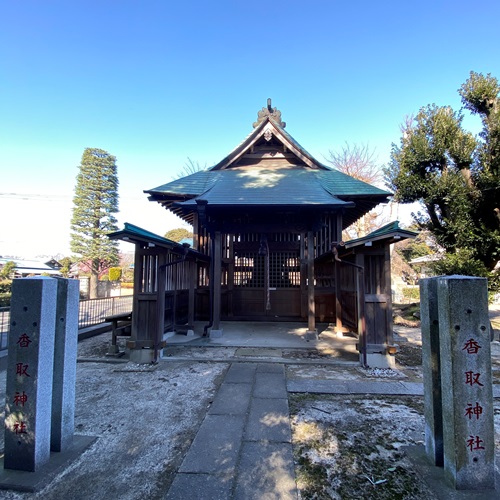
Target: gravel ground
x=145 y=418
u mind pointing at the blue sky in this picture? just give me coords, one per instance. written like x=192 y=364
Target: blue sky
x=156 y=82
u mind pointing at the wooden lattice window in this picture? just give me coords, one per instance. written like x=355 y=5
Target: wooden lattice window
x=250 y=270
x=149 y=278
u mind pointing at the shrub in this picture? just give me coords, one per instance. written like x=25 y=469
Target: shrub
x=5 y=299
x=462 y=263
x=5 y=286
x=115 y=273
x=411 y=294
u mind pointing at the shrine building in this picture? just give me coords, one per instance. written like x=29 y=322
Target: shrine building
x=267 y=223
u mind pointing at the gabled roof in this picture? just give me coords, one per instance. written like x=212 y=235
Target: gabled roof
x=266 y=130
x=30 y=267
x=269 y=168
x=391 y=232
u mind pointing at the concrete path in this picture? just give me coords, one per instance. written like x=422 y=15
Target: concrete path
x=243 y=449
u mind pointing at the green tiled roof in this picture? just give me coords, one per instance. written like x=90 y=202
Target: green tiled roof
x=340 y=184
x=261 y=185
x=269 y=168
x=391 y=230
x=131 y=231
x=193 y=184
x=264 y=186
x=137 y=234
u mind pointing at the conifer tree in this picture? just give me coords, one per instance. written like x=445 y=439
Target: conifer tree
x=94 y=205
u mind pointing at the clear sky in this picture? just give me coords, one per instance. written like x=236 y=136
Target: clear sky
x=156 y=82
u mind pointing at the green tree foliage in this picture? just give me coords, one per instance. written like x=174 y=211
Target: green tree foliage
x=94 y=205
x=178 y=234
x=460 y=262
x=410 y=249
x=454 y=175
x=6 y=274
x=66 y=263
x=7 y=270
x=115 y=273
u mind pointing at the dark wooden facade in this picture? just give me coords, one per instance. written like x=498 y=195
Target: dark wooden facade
x=269 y=218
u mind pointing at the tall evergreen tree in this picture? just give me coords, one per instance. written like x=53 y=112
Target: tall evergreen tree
x=94 y=205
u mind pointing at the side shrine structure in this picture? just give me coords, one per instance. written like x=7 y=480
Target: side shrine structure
x=267 y=223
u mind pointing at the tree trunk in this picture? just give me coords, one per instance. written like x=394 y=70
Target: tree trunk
x=94 y=278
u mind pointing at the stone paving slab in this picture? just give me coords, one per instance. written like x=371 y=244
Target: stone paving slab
x=269 y=420
x=266 y=471
x=239 y=373
x=318 y=386
x=270 y=385
x=374 y=387
x=271 y=368
x=413 y=388
x=216 y=445
x=259 y=351
x=231 y=399
x=200 y=487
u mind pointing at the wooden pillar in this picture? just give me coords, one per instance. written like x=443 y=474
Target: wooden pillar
x=338 y=305
x=311 y=320
x=160 y=309
x=138 y=270
x=389 y=340
x=217 y=289
x=193 y=282
x=339 y=327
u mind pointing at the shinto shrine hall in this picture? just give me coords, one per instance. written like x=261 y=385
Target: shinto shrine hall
x=267 y=223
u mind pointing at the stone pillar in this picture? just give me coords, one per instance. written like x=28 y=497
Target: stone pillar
x=464 y=339
x=30 y=373
x=431 y=370
x=65 y=353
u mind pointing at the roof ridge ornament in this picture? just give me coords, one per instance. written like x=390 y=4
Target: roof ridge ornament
x=270 y=112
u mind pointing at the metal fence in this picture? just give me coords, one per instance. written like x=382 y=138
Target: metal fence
x=91 y=312
x=4 y=326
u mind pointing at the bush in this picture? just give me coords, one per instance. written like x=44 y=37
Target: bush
x=462 y=263
x=5 y=299
x=5 y=286
x=411 y=294
x=115 y=273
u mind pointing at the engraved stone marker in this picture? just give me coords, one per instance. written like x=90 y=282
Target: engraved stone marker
x=65 y=352
x=465 y=357
x=431 y=370
x=29 y=373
